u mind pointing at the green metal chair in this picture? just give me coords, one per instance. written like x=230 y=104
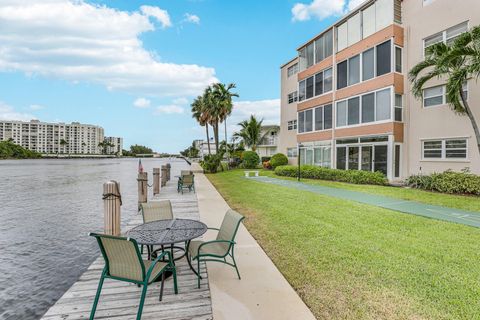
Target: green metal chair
x=123 y=262
x=217 y=250
x=186 y=182
x=156 y=210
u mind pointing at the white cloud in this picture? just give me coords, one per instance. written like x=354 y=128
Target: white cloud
x=161 y=15
x=82 y=42
x=35 y=107
x=169 y=109
x=192 y=18
x=181 y=101
x=268 y=110
x=141 y=103
x=8 y=113
x=322 y=9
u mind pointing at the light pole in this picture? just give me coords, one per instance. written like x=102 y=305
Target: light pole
x=299 y=145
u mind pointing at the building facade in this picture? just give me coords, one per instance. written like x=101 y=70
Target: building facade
x=353 y=101
x=202 y=147
x=53 y=138
x=268 y=146
x=115 y=145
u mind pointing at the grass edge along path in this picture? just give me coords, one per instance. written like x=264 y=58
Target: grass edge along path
x=355 y=261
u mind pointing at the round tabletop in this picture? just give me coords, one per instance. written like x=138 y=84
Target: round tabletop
x=170 y=231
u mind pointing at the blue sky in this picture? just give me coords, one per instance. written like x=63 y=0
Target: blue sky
x=133 y=67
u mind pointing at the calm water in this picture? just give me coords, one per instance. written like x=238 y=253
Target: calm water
x=47 y=208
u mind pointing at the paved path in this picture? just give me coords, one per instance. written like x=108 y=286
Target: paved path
x=468 y=218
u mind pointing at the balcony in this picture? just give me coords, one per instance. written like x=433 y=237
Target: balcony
x=268 y=142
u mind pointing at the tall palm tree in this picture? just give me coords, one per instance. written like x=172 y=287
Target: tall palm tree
x=214 y=111
x=200 y=113
x=457 y=63
x=224 y=96
x=63 y=143
x=251 y=132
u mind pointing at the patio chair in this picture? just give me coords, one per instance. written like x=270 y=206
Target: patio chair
x=186 y=182
x=123 y=262
x=156 y=210
x=217 y=250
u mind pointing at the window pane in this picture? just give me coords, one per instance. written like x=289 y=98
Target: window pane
x=384 y=58
x=319 y=49
x=341 y=157
x=383 y=14
x=342 y=75
x=327 y=153
x=383 y=105
x=308 y=120
x=327 y=113
x=301 y=90
x=319 y=83
x=429 y=102
x=368 y=108
x=319 y=118
x=353 y=155
x=302 y=58
x=327 y=82
x=367 y=158
x=398 y=100
x=368 y=62
x=398 y=59
x=328 y=43
x=341 y=113
x=310 y=55
x=437 y=144
x=452 y=144
x=368 y=21
x=354 y=70
x=397 y=161
x=459 y=153
x=432 y=153
x=354 y=29
x=309 y=156
x=433 y=92
x=342 y=37
x=436 y=38
x=301 y=122
x=353 y=111
x=456 y=30
x=309 y=88
x=398 y=114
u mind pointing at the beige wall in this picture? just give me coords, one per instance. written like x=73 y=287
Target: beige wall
x=439 y=121
x=287 y=139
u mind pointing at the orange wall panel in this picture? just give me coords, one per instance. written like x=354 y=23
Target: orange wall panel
x=314 y=136
x=318 y=101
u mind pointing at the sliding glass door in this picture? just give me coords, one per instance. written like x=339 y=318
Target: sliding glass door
x=363 y=157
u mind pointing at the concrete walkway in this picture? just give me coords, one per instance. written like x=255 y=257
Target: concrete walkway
x=263 y=292
x=468 y=218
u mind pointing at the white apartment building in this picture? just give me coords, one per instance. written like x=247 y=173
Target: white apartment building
x=268 y=146
x=115 y=145
x=53 y=138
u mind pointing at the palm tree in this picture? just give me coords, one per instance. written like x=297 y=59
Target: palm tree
x=214 y=110
x=63 y=143
x=457 y=63
x=251 y=132
x=200 y=113
x=224 y=96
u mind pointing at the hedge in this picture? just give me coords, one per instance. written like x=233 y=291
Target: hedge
x=278 y=159
x=250 y=159
x=350 y=176
x=447 y=182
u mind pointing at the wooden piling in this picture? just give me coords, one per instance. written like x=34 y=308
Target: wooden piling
x=156 y=181
x=164 y=176
x=142 y=188
x=112 y=200
x=169 y=167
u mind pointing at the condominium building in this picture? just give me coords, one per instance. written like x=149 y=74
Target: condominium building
x=346 y=100
x=269 y=144
x=115 y=145
x=48 y=138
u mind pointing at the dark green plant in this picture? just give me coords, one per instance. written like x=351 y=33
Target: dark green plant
x=10 y=150
x=250 y=159
x=447 y=182
x=251 y=132
x=211 y=162
x=278 y=159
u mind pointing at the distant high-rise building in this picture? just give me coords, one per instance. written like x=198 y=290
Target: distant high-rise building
x=115 y=145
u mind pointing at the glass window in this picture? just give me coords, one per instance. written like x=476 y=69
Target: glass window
x=354 y=70
x=433 y=96
x=301 y=90
x=309 y=91
x=342 y=74
x=327 y=115
x=319 y=83
x=328 y=43
x=341 y=113
x=368 y=64
x=341 y=157
x=310 y=54
x=309 y=156
x=368 y=21
x=302 y=58
x=354 y=29
x=353 y=157
x=319 y=49
x=384 y=58
x=383 y=105
x=342 y=36
x=456 y=149
x=292 y=97
x=292 y=70
x=308 y=120
x=319 y=118
x=398 y=107
x=353 y=111
x=430 y=41
x=327 y=80
x=292 y=125
x=301 y=122
x=383 y=14
x=432 y=149
x=398 y=59
x=291 y=152
x=397 y=161
x=453 y=32
x=368 y=108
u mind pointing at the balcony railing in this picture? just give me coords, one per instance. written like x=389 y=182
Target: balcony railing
x=269 y=141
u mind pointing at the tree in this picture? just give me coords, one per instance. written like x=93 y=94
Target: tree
x=251 y=132
x=63 y=143
x=138 y=149
x=456 y=62
x=200 y=113
x=223 y=97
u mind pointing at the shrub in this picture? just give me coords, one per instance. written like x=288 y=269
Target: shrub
x=447 y=182
x=278 y=159
x=250 y=159
x=350 y=176
x=10 y=150
x=211 y=162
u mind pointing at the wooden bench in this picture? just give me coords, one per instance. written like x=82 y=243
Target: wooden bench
x=247 y=173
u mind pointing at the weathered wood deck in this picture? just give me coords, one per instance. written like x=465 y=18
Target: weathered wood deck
x=119 y=300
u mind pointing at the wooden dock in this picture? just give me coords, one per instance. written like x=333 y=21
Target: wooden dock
x=119 y=300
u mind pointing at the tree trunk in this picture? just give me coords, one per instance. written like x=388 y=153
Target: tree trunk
x=215 y=132
x=226 y=143
x=208 y=139
x=472 y=118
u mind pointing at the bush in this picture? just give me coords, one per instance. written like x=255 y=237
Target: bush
x=278 y=159
x=447 y=182
x=250 y=159
x=211 y=162
x=350 y=176
x=10 y=150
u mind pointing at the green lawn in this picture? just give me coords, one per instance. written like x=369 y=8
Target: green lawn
x=354 y=261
